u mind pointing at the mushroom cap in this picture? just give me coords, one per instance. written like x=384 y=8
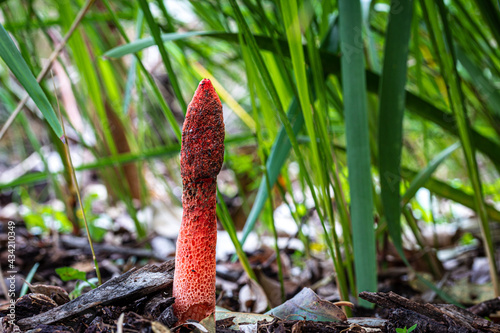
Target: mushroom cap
x=202 y=151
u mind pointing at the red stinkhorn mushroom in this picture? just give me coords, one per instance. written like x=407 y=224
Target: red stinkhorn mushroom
x=202 y=154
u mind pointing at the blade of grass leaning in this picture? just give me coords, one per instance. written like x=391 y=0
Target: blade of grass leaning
x=491 y=16
x=358 y=147
x=264 y=73
x=423 y=176
x=155 y=31
x=16 y=63
x=251 y=77
x=446 y=191
x=292 y=26
x=65 y=141
x=132 y=71
x=29 y=278
x=228 y=225
x=487 y=88
x=53 y=56
x=327 y=153
x=445 y=53
x=156 y=91
x=257 y=57
x=277 y=157
x=443 y=190
x=225 y=96
x=143 y=43
x=101 y=86
x=293 y=32
x=331 y=65
x=391 y=112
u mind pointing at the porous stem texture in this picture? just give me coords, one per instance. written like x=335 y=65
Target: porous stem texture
x=202 y=154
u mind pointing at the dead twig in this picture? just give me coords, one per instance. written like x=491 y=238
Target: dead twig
x=429 y=317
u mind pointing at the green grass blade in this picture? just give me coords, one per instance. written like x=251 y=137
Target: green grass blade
x=423 y=176
x=255 y=52
x=391 y=111
x=228 y=225
x=257 y=57
x=444 y=190
x=358 y=146
x=329 y=165
x=16 y=63
x=252 y=75
x=28 y=279
x=155 y=31
x=156 y=91
x=491 y=16
x=444 y=50
x=132 y=71
x=293 y=31
x=372 y=54
x=487 y=88
x=447 y=122
x=279 y=150
x=294 y=36
x=279 y=153
x=83 y=59
x=143 y=43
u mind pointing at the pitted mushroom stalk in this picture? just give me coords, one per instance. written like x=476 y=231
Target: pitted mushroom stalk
x=202 y=154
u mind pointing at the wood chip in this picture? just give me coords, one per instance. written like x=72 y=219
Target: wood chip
x=128 y=287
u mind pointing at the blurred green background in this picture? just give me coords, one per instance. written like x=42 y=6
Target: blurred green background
x=369 y=119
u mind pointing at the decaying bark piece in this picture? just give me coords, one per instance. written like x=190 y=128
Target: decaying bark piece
x=486 y=308
x=130 y=286
x=58 y=294
x=303 y=326
x=434 y=318
x=33 y=303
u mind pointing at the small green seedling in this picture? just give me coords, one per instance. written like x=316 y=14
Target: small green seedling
x=80 y=285
x=406 y=330
x=70 y=273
